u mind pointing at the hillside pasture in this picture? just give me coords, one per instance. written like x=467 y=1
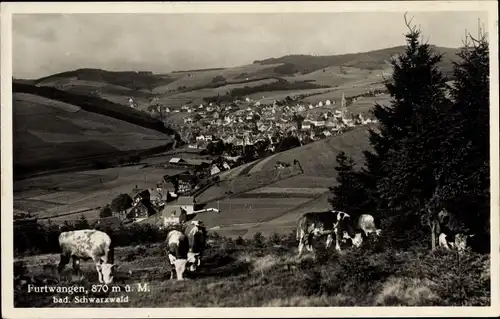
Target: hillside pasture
x=339 y=76
x=318 y=158
x=256 y=208
x=267 y=273
x=202 y=77
x=46 y=129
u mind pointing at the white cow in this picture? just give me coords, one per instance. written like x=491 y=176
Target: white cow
x=88 y=244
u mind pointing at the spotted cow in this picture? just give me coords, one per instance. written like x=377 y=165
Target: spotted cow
x=196 y=233
x=88 y=244
x=329 y=223
x=178 y=248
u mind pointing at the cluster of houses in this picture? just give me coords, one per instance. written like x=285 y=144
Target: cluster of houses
x=248 y=125
x=172 y=200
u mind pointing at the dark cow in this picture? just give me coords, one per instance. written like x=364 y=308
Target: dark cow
x=88 y=244
x=178 y=248
x=316 y=224
x=197 y=237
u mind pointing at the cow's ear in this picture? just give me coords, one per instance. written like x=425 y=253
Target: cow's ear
x=114 y=267
x=98 y=266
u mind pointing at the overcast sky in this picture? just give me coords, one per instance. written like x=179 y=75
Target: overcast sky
x=45 y=44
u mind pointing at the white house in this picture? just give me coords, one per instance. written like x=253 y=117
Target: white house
x=214 y=170
x=226 y=166
x=327 y=102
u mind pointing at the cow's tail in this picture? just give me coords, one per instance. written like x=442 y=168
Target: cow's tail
x=299 y=228
x=111 y=253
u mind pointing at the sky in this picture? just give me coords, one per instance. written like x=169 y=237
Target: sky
x=44 y=44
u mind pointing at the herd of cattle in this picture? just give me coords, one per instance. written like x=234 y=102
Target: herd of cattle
x=185 y=248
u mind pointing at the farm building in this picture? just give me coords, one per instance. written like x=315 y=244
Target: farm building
x=140 y=194
x=142 y=209
x=186 y=183
x=226 y=166
x=167 y=184
x=158 y=195
x=177 y=160
x=179 y=211
x=214 y=170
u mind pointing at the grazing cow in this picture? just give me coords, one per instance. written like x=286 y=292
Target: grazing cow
x=355 y=241
x=85 y=244
x=368 y=224
x=197 y=237
x=178 y=248
x=317 y=224
x=455 y=241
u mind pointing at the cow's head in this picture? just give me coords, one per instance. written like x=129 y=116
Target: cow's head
x=344 y=223
x=193 y=261
x=105 y=272
x=356 y=240
x=461 y=241
x=179 y=264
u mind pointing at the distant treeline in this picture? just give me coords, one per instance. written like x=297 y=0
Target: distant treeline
x=130 y=79
x=280 y=85
x=199 y=70
x=220 y=81
x=96 y=105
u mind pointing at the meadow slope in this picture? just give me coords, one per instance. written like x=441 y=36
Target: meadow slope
x=266 y=272
x=48 y=131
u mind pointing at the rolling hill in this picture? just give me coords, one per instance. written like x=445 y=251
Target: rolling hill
x=372 y=60
x=176 y=88
x=56 y=129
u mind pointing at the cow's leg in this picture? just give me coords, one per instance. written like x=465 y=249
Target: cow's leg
x=329 y=240
x=309 y=241
x=337 y=241
x=301 y=241
x=62 y=263
x=76 y=265
x=301 y=246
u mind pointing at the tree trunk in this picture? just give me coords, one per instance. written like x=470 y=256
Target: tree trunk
x=433 y=235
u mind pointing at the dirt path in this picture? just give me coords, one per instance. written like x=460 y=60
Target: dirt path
x=260 y=165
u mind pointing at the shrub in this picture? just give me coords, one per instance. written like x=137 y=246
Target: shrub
x=105 y=212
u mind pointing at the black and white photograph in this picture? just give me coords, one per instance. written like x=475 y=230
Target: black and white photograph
x=298 y=155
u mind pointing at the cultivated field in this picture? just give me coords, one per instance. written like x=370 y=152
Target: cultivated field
x=59 y=194
x=200 y=78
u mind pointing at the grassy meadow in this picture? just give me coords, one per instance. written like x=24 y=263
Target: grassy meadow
x=266 y=272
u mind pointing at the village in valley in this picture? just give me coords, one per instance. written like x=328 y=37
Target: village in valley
x=228 y=133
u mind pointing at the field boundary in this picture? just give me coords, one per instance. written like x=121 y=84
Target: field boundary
x=244 y=181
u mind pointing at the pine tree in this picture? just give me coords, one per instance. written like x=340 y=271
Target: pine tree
x=465 y=173
x=400 y=174
x=348 y=195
